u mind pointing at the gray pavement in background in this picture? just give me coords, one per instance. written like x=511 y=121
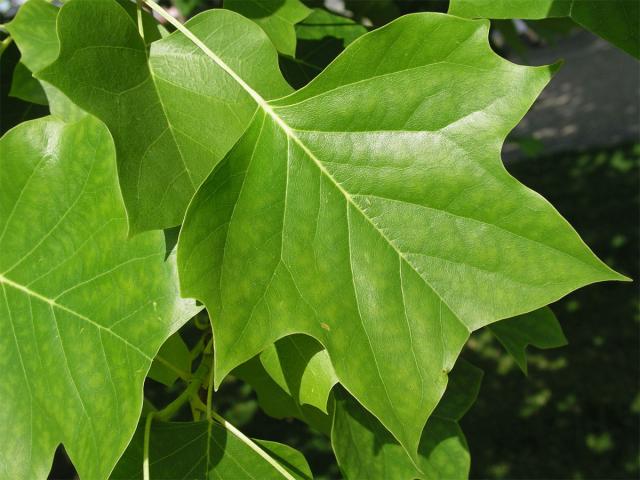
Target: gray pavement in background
x=593 y=101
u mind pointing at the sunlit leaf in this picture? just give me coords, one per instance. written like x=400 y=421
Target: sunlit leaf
x=173 y=115
x=34 y=31
x=371 y=211
x=293 y=378
x=83 y=309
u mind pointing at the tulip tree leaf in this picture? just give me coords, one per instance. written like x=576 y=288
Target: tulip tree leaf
x=293 y=378
x=371 y=211
x=276 y=17
x=170 y=127
x=34 y=31
x=301 y=367
x=25 y=87
x=83 y=309
x=614 y=20
x=206 y=450
x=539 y=328
x=14 y=110
x=364 y=449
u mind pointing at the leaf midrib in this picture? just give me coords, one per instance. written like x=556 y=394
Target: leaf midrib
x=289 y=131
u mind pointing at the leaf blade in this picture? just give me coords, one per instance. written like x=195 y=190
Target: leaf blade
x=153 y=111
x=354 y=257
x=276 y=17
x=84 y=310
x=539 y=328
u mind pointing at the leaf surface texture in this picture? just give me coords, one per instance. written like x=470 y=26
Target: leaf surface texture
x=172 y=112
x=83 y=310
x=371 y=210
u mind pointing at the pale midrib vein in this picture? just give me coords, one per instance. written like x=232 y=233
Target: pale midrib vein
x=10 y=283
x=290 y=132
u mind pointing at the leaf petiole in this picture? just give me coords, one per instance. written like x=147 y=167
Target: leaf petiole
x=139 y=17
x=5 y=43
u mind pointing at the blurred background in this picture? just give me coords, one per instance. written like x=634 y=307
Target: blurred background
x=577 y=413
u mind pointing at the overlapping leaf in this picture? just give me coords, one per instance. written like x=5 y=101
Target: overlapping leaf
x=539 y=328
x=293 y=378
x=364 y=449
x=34 y=31
x=276 y=17
x=14 y=110
x=173 y=361
x=206 y=450
x=173 y=115
x=25 y=87
x=83 y=310
x=371 y=211
x=614 y=20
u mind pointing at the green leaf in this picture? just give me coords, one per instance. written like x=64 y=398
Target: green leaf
x=14 y=110
x=172 y=362
x=34 y=31
x=301 y=366
x=539 y=328
x=83 y=310
x=614 y=20
x=371 y=211
x=25 y=87
x=364 y=449
x=321 y=37
x=206 y=450
x=293 y=378
x=276 y=17
x=170 y=128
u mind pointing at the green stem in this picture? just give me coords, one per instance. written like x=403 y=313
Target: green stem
x=210 y=390
x=5 y=43
x=212 y=414
x=139 y=15
x=199 y=347
x=202 y=323
x=170 y=410
x=145 y=447
x=192 y=389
